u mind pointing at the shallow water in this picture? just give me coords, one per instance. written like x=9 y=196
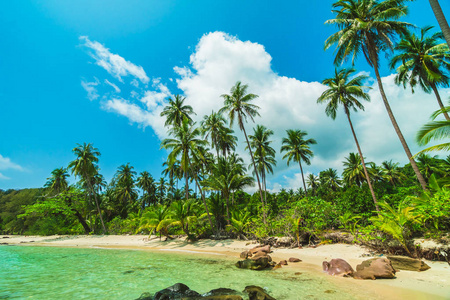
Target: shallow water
x=74 y=273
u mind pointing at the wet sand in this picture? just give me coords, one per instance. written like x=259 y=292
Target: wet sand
x=431 y=284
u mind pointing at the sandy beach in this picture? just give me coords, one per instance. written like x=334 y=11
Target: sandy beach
x=431 y=284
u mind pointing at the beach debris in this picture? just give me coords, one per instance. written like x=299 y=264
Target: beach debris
x=407 y=263
x=257 y=293
x=294 y=259
x=337 y=267
x=374 y=268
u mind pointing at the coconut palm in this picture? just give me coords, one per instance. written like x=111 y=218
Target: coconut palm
x=227 y=141
x=238 y=107
x=156 y=219
x=176 y=112
x=428 y=165
x=125 y=190
x=353 y=170
x=313 y=182
x=346 y=92
x=211 y=127
x=146 y=182
x=370 y=27
x=186 y=139
x=424 y=61
x=329 y=178
x=161 y=189
x=437 y=10
x=57 y=183
x=392 y=173
x=435 y=130
x=297 y=149
x=264 y=153
x=85 y=167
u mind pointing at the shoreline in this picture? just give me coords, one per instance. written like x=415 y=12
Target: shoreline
x=431 y=284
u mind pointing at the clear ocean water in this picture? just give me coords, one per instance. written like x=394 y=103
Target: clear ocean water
x=30 y=272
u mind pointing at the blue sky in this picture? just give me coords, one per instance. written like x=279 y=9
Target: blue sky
x=132 y=55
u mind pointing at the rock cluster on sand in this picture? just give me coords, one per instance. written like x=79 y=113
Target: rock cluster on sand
x=258 y=258
x=181 y=291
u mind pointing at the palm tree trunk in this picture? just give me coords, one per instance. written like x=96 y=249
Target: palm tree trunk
x=96 y=201
x=303 y=178
x=257 y=176
x=437 y=10
x=397 y=128
x=363 y=163
x=204 y=201
x=227 y=198
x=438 y=97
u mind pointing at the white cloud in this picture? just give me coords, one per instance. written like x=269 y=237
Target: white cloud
x=90 y=88
x=115 y=87
x=7 y=164
x=114 y=64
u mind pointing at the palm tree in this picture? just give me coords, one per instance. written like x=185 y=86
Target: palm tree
x=392 y=172
x=57 y=183
x=238 y=106
x=212 y=127
x=161 y=189
x=125 y=190
x=264 y=153
x=85 y=166
x=313 y=182
x=227 y=141
x=297 y=149
x=369 y=27
x=435 y=130
x=423 y=61
x=347 y=92
x=176 y=112
x=186 y=140
x=437 y=10
x=353 y=170
x=329 y=178
x=156 y=219
x=428 y=165
x=146 y=182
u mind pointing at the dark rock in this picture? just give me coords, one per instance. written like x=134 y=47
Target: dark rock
x=283 y=263
x=176 y=291
x=407 y=263
x=338 y=267
x=375 y=268
x=254 y=264
x=145 y=296
x=294 y=259
x=257 y=293
x=221 y=292
x=265 y=248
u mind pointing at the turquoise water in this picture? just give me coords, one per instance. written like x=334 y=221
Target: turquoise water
x=73 y=273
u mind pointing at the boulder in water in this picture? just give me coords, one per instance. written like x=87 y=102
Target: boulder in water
x=257 y=293
x=176 y=291
x=259 y=263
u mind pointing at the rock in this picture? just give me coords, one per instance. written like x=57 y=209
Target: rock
x=261 y=254
x=407 y=263
x=257 y=293
x=254 y=264
x=220 y=292
x=145 y=296
x=265 y=248
x=374 y=268
x=283 y=263
x=218 y=297
x=245 y=254
x=294 y=259
x=176 y=291
x=338 y=267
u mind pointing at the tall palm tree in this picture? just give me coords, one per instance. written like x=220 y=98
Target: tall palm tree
x=186 y=139
x=392 y=172
x=264 y=153
x=176 y=112
x=313 y=182
x=424 y=61
x=161 y=189
x=125 y=190
x=437 y=10
x=227 y=141
x=57 y=183
x=353 y=170
x=238 y=106
x=435 y=130
x=369 y=27
x=85 y=166
x=329 y=178
x=146 y=182
x=212 y=127
x=346 y=92
x=297 y=149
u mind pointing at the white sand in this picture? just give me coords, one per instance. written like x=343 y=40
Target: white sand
x=431 y=284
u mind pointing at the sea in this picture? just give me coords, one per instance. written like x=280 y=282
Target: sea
x=33 y=272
